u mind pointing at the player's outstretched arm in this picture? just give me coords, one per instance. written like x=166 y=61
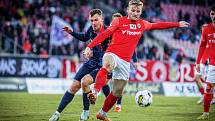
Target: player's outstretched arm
x=168 y=25
x=82 y=36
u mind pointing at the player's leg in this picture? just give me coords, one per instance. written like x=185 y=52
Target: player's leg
x=118 y=87
x=66 y=99
x=70 y=93
x=120 y=78
x=108 y=64
x=200 y=86
x=205 y=76
x=118 y=106
x=199 y=80
x=208 y=96
x=87 y=80
x=106 y=90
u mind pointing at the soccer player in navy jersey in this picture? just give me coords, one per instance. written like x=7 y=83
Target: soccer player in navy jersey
x=126 y=32
x=88 y=71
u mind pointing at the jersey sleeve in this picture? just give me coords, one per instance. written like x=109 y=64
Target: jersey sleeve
x=114 y=24
x=100 y=38
x=160 y=25
x=82 y=36
x=147 y=25
x=202 y=47
x=107 y=33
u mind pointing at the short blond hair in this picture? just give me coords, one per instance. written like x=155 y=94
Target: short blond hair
x=135 y=2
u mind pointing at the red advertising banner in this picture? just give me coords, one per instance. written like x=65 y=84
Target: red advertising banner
x=147 y=71
x=157 y=71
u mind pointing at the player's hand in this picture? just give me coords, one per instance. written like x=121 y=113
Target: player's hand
x=184 y=24
x=67 y=29
x=88 y=53
x=197 y=66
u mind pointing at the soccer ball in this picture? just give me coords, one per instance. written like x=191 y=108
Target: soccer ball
x=143 y=98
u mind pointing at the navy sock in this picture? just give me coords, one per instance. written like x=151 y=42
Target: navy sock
x=106 y=90
x=66 y=99
x=119 y=101
x=86 y=102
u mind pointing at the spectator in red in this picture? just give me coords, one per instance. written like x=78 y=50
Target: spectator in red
x=26 y=47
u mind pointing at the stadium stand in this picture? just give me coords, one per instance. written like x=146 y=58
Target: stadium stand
x=24 y=30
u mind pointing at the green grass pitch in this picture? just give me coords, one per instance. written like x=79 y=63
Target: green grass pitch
x=34 y=107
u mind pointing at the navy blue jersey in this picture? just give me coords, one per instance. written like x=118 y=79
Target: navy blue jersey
x=99 y=50
x=95 y=62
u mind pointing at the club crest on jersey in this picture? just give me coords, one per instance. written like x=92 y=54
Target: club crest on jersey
x=138 y=26
x=133 y=26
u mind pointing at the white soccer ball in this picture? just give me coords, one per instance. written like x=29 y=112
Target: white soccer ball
x=143 y=98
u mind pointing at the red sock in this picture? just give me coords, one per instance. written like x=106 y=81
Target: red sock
x=201 y=90
x=207 y=101
x=109 y=102
x=101 y=78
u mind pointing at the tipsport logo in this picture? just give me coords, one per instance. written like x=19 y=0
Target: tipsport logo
x=130 y=33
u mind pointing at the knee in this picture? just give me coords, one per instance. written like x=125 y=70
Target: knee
x=108 y=63
x=117 y=93
x=76 y=85
x=84 y=84
x=107 y=66
x=86 y=81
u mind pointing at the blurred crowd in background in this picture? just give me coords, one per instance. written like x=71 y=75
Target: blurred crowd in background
x=25 y=25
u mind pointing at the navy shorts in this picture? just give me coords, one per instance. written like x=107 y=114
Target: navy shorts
x=86 y=68
x=90 y=67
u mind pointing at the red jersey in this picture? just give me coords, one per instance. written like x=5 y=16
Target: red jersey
x=207 y=41
x=126 y=34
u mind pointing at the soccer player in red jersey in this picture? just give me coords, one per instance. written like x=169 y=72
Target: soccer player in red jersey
x=208 y=39
x=201 y=74
x=126 y=32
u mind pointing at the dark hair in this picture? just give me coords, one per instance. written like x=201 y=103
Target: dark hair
x=95 y=11
x=135 y=2
x=117 y=15
x=213 y=7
